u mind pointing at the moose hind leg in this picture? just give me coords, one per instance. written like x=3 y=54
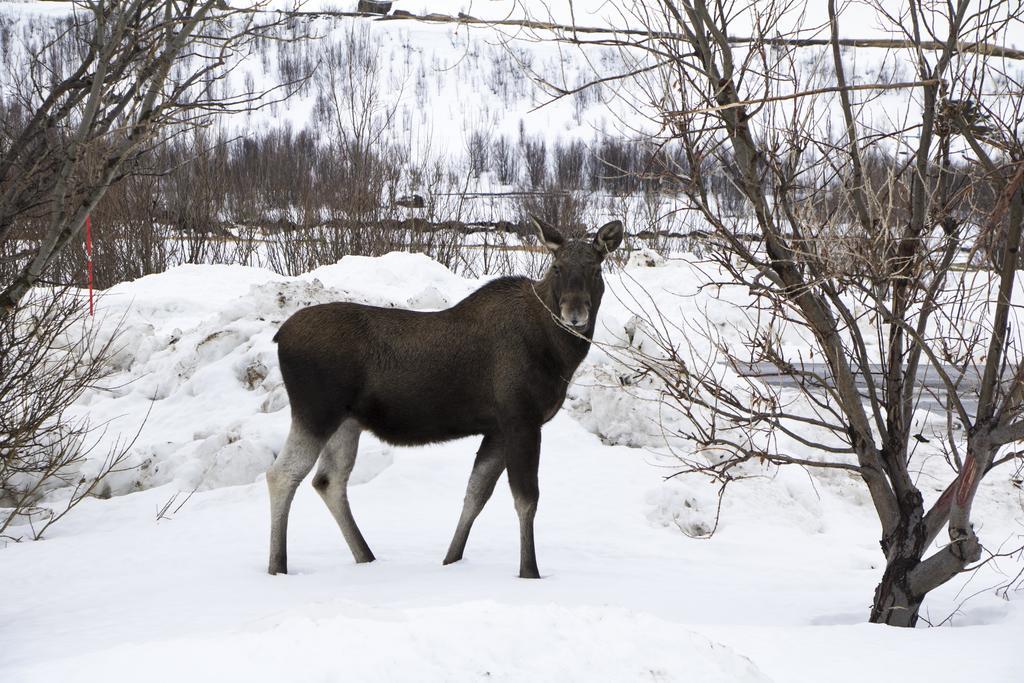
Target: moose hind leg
x=331 y=482
x=284 y=476
x=522 y=457
x=489 y=464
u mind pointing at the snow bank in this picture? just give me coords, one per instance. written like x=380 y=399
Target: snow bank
x=465 y=642
x=196 y=367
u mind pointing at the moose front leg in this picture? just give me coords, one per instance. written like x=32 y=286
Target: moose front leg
x=522 y=457
x=489 y=464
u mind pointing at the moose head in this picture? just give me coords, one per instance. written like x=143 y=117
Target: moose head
x=574 y=276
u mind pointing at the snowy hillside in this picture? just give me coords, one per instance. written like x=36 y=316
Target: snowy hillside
x=435 y=86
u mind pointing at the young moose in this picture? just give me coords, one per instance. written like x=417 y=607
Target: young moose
x=498 y=363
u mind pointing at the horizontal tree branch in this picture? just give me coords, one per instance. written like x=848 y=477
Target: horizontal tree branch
x=806 y=93
x=980 y=48
x=944 y=564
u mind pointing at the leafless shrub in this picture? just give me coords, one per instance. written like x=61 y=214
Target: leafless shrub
x=535 y=156
x=290 y=199
x=569 y=210
x=505 y=161
x=859 y=256
x=108 y=84
x=570 y=164
x=478 y=152
x=50 y=355
x=130 y=236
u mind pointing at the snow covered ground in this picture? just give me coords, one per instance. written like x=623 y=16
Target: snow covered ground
x=118 y=591
x=129 y=588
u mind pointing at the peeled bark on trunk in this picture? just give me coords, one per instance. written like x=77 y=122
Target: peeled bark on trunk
x=895 y=602
x=909 y=577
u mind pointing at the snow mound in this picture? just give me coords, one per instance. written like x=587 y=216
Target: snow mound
x=195 y=355
x=608 y=402
x=196 y=367
x=645 y=258
x=479 y=641
x=687 y=508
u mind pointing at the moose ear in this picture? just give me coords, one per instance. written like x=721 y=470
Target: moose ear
x=609 y=237
x=551 y=238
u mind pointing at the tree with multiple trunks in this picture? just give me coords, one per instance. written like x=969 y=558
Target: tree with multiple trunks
x=880 y=225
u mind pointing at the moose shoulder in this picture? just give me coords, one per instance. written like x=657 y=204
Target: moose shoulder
x=497 y=364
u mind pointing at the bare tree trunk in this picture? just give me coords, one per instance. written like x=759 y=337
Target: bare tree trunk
x=896 y=603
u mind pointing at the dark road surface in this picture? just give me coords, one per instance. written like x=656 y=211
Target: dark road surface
x=931 y=394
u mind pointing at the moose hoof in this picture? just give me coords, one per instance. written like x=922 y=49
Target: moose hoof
x=274 y=570
x=529 y=574
x=451 y=559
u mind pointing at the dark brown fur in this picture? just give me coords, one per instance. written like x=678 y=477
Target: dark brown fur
x=414 y=378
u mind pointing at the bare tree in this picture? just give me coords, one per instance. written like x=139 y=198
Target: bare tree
x=111 y=81
x=535 y=156
x=116 y=79
x=858 y=276
x=57 y=355
x=360 y=118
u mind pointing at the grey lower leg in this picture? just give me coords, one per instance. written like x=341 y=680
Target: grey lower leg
x=527 y=510
x=522 y=457
x=331 y=482
x=489 y=464
x=284 y=476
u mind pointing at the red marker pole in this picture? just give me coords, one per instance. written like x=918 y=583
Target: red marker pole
x=88 y=256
